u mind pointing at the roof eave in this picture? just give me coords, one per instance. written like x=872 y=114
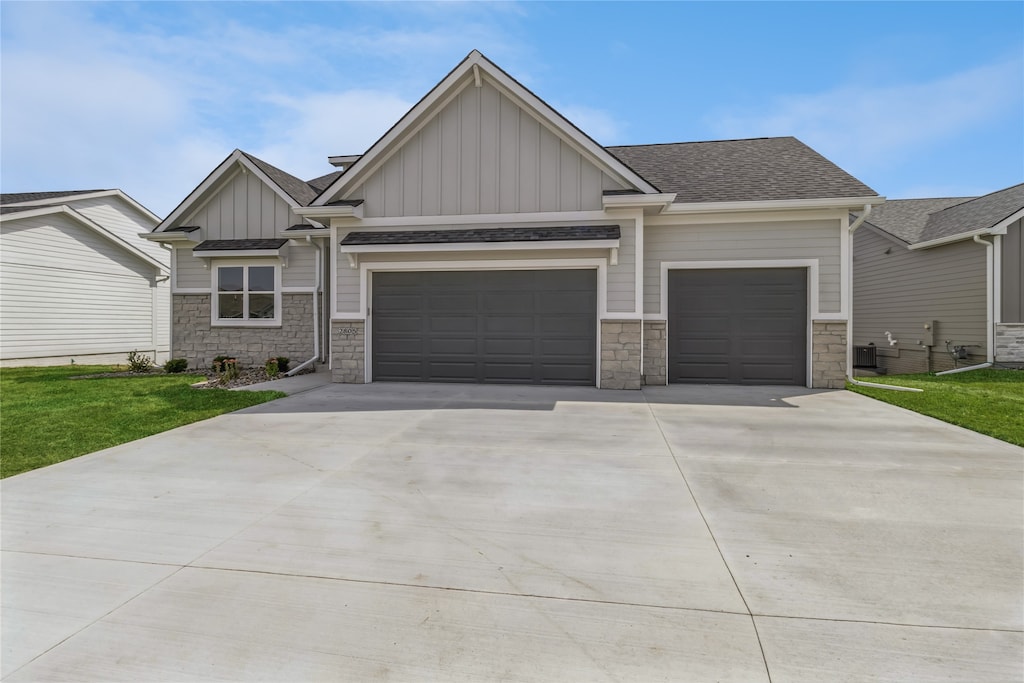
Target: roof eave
x=844 y=203
x=999 y=228
x=651 y=203
x=330 y=211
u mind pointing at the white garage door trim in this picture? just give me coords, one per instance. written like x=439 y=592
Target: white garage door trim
x=365 y=270
x=812 y=290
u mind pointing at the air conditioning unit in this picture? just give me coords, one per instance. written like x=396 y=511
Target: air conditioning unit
x=865 y=357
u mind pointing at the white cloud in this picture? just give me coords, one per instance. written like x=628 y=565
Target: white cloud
x=598 y=124
x=309 y=129
x=871 y=125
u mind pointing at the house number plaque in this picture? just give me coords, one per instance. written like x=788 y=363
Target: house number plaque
x=348 y=330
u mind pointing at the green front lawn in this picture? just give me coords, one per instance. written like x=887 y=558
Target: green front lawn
x=987 y=401
x=46 y=417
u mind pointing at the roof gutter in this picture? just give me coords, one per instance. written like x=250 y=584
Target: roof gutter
x=772 y=205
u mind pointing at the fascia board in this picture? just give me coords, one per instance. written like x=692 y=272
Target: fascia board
x=236 y=253
x=166 y=237
x=477 y=246
x=634 y=201
x=774 y=205
x=450 y=85
x=997 y=229
x=329 y=211
x=71 y=198
x=91 y=225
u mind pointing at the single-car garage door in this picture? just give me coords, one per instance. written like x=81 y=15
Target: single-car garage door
x=738 y=326
x=508 y=326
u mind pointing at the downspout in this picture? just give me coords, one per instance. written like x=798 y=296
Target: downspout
x=849 y=332
x=989 y=311
x=170 y=298
x=316 y=309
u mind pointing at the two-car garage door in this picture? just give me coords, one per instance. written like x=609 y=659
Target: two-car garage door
x=495 y=326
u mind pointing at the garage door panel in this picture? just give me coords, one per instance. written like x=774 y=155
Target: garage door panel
x=738 y=326
x=486 y=326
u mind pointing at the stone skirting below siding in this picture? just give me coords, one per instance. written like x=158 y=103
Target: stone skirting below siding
x=194 y=338
x=1009 y=343
x=828 y=355
x=620 y=354
x=655 y=353
x=348 y=351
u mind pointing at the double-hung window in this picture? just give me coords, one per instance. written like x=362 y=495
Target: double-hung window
x=247 y=294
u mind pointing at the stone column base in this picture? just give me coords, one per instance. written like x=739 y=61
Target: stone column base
x=655 y=353
x=828 y=355
x=620 y=354
x=348 y=351
x=1009 y=343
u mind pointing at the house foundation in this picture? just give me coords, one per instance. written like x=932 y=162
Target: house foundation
x=348 y=351
x=655 y=353
x=828 y=354
x=1009 y=343
x=620 y=354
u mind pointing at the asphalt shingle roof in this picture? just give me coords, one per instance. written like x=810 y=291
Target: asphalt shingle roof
x=18 y=197
x=591 y=232
x=758 y=169
x=323 y=182
x=232 y=245
x=299 y=190
x=974 y=214
x=924 y=220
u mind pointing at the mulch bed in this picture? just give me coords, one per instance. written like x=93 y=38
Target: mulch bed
x=246 y=376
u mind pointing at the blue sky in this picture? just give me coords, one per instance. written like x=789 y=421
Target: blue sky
x=916 y=99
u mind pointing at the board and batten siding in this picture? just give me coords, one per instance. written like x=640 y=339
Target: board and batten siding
x=817 y=239
x=243 y=207
x=482 y=153
x=621 y=277
x=69 y=292
x=1012 y=307
x=901 y=290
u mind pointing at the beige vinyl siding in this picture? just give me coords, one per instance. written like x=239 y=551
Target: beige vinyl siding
x=243 y=208
x=622 y=277
x=194 y=273
x=122 y=219
x=68 y=291
x=817 y=240
x=901 y=290
x=482 y=154
x=1012 y=275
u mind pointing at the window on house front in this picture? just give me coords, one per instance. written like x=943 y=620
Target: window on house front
x=246 y=295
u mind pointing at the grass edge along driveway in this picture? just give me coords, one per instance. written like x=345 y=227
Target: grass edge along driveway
x=46 y=417
x=986 y=401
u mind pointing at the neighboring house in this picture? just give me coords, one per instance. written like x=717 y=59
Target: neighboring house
x=77 y=283
x=485 y=238
x=937 y=282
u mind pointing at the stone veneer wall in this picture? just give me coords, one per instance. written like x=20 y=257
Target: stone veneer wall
x=348 y=351
x=655 y=353
x=828 y=359
x=1009 y=343
x=195 y=339
x=620 y=354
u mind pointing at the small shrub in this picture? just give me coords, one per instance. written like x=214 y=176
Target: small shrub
x=139 y=362
x=219 y=359
x=271 y=367
x=282 y=363
x=176 y=365
x=226 y=368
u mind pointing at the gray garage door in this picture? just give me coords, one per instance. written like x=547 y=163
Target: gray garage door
x=509 y=326
x=738 y=326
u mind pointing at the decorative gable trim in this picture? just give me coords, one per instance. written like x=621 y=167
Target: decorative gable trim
x=475 y=66
x=224 y=172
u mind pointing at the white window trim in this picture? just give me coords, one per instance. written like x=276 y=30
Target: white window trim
x=215 y=321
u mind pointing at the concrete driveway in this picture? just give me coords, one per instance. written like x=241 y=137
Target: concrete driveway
x=423 y=532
